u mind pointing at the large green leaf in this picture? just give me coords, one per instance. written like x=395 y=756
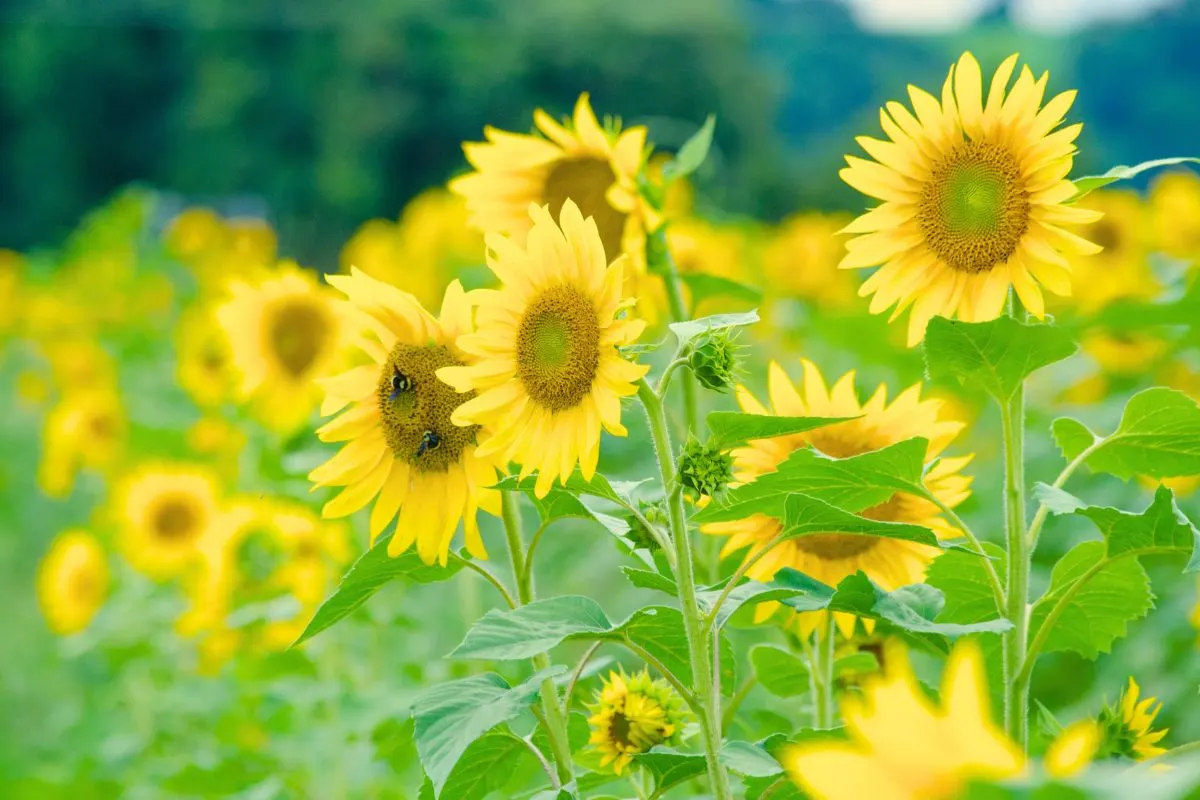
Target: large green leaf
x=795 y=589
x=449 y=717
x=693 y=152
x=523 y=632
x=689 y=329
x=670 y=767
x=995 y=356
x=1159 y=436
x=963 y=581
x=1100 y=596
x=779 y=671
x=805 y=515
x=659 y=630
x=373 y=570
x=749 y=759
x=486 y=766
x=1161 y=528
x=730 y=428
x=1090 y=183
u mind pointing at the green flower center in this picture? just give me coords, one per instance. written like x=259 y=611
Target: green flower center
x=558 y=347
x=415 y=408
x=298 y=332
x=974 y=208
x=586 y=181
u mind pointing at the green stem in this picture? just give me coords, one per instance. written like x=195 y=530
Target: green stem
x=1039 y=519
x=679 y=313
x=822 y=668
x=735 y=702
x=488 y=576
x=738 y=574
x=705 y=684
x=1016 y=639
x=976 y=545
x=556 y=721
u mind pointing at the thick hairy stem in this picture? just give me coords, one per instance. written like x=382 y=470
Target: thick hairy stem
x=1016 y=640
x=705 y=684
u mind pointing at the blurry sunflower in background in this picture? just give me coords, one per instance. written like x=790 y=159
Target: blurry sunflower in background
x=1175 y=211
x=974 y=194
x=831 y=557
x=204 y=366
x=631 y=714
x=401 y=448
x=1128 y=726
x=165 y=512
x=1121 y=270
x=12 y=266
x=72 y=581
x=283 y=332
x=87 y=429
x=700 y=247
x=545 y=365
x=800 y=260
x=217 y=249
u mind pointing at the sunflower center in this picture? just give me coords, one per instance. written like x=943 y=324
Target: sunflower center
x=586 y=181
x=1106 y=234
x=415 y=407
x=620 y=728
x=833 y=546
x=175 y=520
x=85 y=586
x=297 y=333
x=558 y=348
x=974 y=208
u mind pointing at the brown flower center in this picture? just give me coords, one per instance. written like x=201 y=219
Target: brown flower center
x=558 y=347
x=586 y=181
x=176 y=520
x=298 y=332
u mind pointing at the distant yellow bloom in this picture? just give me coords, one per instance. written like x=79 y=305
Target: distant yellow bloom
x=546 y=368
x=204 y=358
x=401 y=449
x=974 y=198
x=195 y=232
x=903 y=747
x=72 y=581
x=12 y=267
x=80 y=364
x=86 y=430
x=631 y=714
x=701 y=247
x=217 y=249
x=165 y=513
x=1073 y=749
x=1175 y=213
x=218 y=442
x=802 y=257
x=1129 y=726
x=833 y=556
x=1120 y=271
x=284 y=331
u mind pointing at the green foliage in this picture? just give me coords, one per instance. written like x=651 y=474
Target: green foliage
x=780 y=672
x=693 y=152
x=1091 y=183
x=806 y=516
x=688 y=331
x=730 y=428
x=532 y=629
x=704 y=469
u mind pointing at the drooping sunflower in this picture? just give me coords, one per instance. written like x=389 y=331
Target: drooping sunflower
x=1129 y=726
x=903 y=747
x=72 y=581
x=204 y=364
x=165 y=512
x=593 y=167
x=631 y=714
x=283 y=331
x=831 y=557
x=401 y=445
x=85 y=430
x=974 y=199
x=546 y=365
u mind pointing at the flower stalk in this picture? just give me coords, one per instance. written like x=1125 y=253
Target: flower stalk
x=1016 y=639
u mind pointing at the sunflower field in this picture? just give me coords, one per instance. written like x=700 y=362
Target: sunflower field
x=565 y=484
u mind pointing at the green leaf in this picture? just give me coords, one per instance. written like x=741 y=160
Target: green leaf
x=1162 y=527
x=524 y=632
x=1057 y=500
x=749 y=759
x=598 y=486
x=449 y=717
x=963 y=581
x=855 y=664
x=693 y=152
x=911 y=608
x=805 y=515
x=368 y=575
x=703 y=286
x=731 y=428
x=780 y=672
x=794 y=589
x=853 y=483
x=1090 y=183
x=1048 y=724
x=659 y=630
x=1103 y=597
x=647 y=579
x=487 y=765
x=1159 y=436
x=689 y=329
x=671 y=767
x=996 y=356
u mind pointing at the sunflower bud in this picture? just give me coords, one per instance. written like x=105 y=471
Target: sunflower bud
x=714 y=359
x=654 y=515
x=704 y=469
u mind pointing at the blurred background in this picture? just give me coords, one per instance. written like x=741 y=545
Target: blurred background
x=150 y=150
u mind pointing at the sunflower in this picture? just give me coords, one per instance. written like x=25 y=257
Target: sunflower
x=547 y=369
x=80 y=364
x=204 y=364
x=12 y=268
x=631 y=714
x=216 y=248
x=166 y=513
x=283 y=332
x=401 y=445
x=594 y=168
x=85 y=430
x=1175 y=213
x=72 y=581
x=1121 y=270
x=903 y=747
x=831 y=557
x=1129 y=726
x=974 y=199
x=801 y=260
x=704 y=248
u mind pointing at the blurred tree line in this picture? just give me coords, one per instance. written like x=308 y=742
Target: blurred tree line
x=322 y=115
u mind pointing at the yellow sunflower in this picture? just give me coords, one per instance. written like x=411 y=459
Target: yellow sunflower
x=166 y=512
x=903 y=747
x=204 y=364
x=831 y=557
x=1175 y=212
x=72 y=582
x=1121 y=270
x=86 y=430
x=1129 y=726
x=631 y=714
x=701 y=247
x=401 y=445
x=12 y=268
x=216 y=248
x=594 y=168
x=974 y=199
x=546 y=365
x=80 y=364
x=802 y=257
x=283 y=331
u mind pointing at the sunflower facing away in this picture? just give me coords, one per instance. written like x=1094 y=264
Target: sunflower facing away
x=165 y=514
x=546 y=371
x=831 y=557
x=903 y=747
x=283 y=332
x=72 y=582
x=400 y=444
x=974 y=198
x=1129 y=726
x=631 y=714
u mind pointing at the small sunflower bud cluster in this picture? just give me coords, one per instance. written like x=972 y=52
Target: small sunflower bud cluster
x=714 y=359
x=653 y=514
x=704 y=468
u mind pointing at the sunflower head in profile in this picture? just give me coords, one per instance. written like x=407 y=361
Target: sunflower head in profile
x=166 y=513
x=904 y=747
x=594 y=167
x=72 y=582
x=1128 y=726
x=283 y=332
x=546 y=373
x=833 y=556
x=631 y=714
x=401 y=447
x=974 y=198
